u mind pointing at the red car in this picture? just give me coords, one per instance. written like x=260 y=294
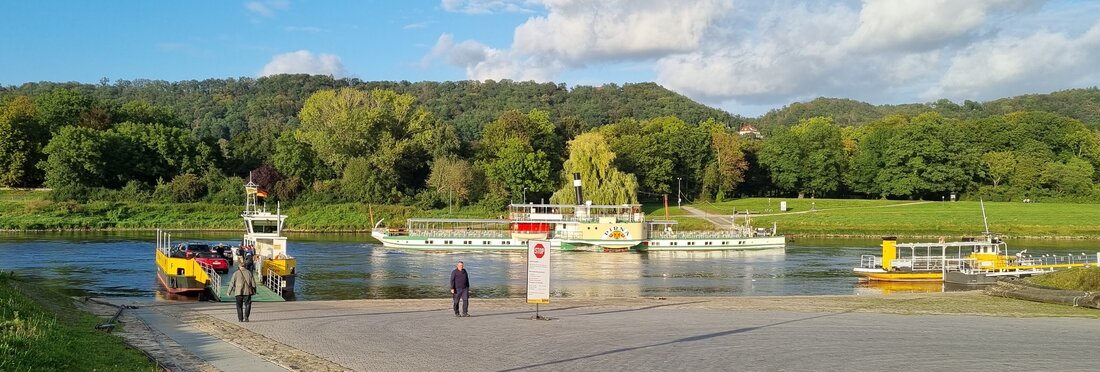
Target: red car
x=206 y=257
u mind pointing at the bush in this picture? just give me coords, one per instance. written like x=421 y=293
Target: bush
x=223 y=190
x=75 y=193
x=184 y=188
x=287 y=189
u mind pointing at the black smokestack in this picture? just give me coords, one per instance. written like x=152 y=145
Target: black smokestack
x=577 y=188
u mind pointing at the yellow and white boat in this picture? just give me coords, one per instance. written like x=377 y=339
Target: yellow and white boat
x=969 y=261
x=263 y=236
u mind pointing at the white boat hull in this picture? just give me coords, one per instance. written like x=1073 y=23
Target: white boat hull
x=505 y=244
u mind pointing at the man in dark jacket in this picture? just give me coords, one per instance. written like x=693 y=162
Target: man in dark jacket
x=460 y=289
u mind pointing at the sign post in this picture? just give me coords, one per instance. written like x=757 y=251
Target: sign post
x=538 y=274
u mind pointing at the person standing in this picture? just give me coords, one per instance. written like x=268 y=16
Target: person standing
x=460 y=288
x=243 y=286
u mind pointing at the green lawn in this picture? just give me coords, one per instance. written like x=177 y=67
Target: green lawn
x=888 y=217
x=41 y=330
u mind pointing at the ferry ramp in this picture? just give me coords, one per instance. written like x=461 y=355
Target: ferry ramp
x=263 y=293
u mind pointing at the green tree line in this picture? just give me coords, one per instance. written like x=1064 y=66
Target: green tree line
x=313 y=139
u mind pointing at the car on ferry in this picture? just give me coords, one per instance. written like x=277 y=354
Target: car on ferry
x=223 y=250
x=204 y=255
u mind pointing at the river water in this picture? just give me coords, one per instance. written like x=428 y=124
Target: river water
x=338 y=267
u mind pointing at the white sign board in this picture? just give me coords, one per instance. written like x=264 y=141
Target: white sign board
x=538 y=272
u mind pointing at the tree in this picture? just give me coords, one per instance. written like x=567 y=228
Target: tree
x=453 y=177
x=297 y=159
x=75 y=157
x=1070 y=178
x=729 y=161
x=518 y=166
x=591 y=157
x=62 y=107
x=927 y=157
x=808 y=158
x=382 y=128
x=999 y=165
x=22 y=138
x=868 y=157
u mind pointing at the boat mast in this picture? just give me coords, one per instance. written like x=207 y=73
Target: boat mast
x=984 y=220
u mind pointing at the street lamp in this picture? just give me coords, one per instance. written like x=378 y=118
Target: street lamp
x=524 y=195
x=678 y=193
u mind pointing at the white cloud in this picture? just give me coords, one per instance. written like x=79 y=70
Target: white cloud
x=486 y=6
x=791 y=50
x=416 y=25
x=1005 y=66
x=305 y=62
x=577 y=32
x=306 y=29
x=746 y=53
x=482 y=62
x=266 y=8
x=924 y=24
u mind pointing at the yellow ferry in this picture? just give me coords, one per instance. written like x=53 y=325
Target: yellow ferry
x=970 y=261
x=179 y=274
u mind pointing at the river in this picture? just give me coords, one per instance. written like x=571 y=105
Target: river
x=338 y=267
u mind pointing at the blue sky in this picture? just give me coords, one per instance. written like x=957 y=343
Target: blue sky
x=742 y=56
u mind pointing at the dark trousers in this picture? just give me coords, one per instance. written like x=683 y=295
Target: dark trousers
x=464 y=295
x=244 y=307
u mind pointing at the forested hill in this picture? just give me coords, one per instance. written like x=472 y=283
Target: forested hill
x=224 y=108
x=1080 y=104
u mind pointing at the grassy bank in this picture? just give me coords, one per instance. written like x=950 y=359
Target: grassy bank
x=24 y=210
x=902 y=218
x=1077 y=279
x=42 y=330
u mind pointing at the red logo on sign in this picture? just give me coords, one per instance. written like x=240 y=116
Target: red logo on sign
x=539 y=251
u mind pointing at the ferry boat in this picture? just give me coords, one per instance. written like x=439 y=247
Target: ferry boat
x=263 y=237
x=969 y=261
x=178 y=273
x=571 y=227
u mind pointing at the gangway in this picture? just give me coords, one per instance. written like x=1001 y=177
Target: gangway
x=219 y=283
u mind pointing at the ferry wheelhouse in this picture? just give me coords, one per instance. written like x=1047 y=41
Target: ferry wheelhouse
x=263 y=236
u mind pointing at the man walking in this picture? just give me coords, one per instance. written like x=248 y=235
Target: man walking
x=243 y=285
x=460 y=288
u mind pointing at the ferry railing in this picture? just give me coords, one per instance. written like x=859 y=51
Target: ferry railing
x=927 y=263
x=566 y=235
x=460 y=233
x=716 y=234
x=869 y=261
x=215 y=279
x=274 y=281
x=619 y=218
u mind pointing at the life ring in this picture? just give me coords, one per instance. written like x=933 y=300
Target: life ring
x=280 y=256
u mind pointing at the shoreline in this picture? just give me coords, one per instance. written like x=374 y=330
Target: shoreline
x=367 y=232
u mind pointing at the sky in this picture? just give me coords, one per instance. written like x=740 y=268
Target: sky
x=743 y=56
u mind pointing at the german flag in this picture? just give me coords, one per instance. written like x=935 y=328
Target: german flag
x=260 y=193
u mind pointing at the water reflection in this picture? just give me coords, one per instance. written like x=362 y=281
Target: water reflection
x=347 y=267
x=876 y=287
